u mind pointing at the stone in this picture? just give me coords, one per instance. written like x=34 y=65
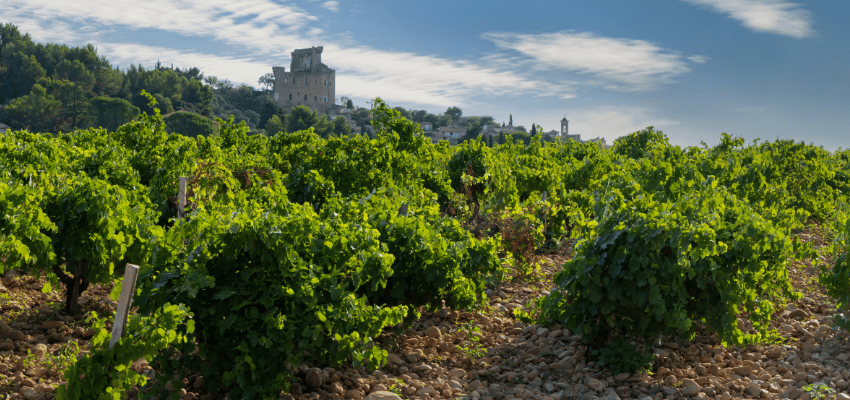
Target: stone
x=199 y=382
x=394 y=359
x=689 y=387
x=379 y=388
x=52 y=325
x=426 y=390
x=39 y=349
x=434 y=332
x=610 y=396
x=842 y=396
x=314 y=378
x=5 y=330
x=742 y=370
x=457 y=373
x=7 y=345
x=596 y=384
x=622 y=376
x=17 y=335
x=336 y=388
x=28 y=392
x=798 y=315
x=753 y=390
x=354 y=394
x=382 y=396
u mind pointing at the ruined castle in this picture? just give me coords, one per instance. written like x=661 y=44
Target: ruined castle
x=308 y=82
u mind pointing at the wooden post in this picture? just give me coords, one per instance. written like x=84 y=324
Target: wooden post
x=128 y=287
x=181 y=198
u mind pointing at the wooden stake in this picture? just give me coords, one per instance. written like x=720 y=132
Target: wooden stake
x=128 y=287
x=181 y=198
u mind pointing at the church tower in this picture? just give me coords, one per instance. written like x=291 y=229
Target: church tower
x=564 y=127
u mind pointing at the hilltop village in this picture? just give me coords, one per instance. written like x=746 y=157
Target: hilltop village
x=312 y=84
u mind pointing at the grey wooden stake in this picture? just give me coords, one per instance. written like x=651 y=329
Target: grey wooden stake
x=128 y=287
x=181 y=198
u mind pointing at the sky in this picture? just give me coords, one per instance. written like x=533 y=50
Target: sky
x=768 y=69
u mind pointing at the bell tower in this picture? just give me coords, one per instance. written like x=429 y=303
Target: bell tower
x=564 y=126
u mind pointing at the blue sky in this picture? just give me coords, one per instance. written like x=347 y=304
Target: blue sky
x=693 y=68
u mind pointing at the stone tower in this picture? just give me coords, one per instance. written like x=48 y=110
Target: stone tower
x=565 y=127
x=308 y=82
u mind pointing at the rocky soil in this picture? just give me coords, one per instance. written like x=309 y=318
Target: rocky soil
x=485 y=354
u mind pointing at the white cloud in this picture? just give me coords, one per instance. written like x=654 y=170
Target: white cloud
x=237 y=70
x=331 y=5
x=698 y=59
x=770 y=16
x=618 y=63
x=258 y=28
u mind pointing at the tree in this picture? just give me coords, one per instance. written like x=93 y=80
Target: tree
x=341 y=127
x=533 y=129
x=501 y=137
x=274 y=125
x=301 y=118
x=37 y=111
x=74 y=111
x=267 y=81
x=76 y=72
x=361 y=116
x=454 y=113
x=404 y=112
x=511 y=120
x=20 y=73
x=199 y=95
x=490 y=140
x=110 y=113
x=189 y=124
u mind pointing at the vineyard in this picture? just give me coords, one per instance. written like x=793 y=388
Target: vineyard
x=298 y=258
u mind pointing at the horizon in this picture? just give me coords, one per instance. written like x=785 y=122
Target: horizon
x=693 y=69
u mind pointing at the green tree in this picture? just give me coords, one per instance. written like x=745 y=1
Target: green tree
x=511 y=120
x=533 y=129
x=110 y=113
x=21 y=73
x=361 y=116
x=267 y=81
x=301 y=118
x=74 y=111
x=274 y=125
x=349 y=104
x=37 y=111
x=75 y=71
x=341 y=127
x=501 y=137
x=189 y=124
x=404 y=112
x=197 y=94
x=454 y=113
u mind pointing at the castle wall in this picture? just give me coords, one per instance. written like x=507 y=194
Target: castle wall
x=309 y=82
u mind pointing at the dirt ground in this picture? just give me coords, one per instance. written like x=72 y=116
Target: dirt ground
x=485 y=354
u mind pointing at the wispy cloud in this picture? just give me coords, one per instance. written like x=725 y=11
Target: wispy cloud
x=331 y=5
x=770 y=16
x=257 y=28
x=617 y=63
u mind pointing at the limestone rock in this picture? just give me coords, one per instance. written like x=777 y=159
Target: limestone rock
x=596 y=384
x=5 y=330
x=337 y=389
x=314 y=378
x=382 y=396
x=52 y=325
x=690 y=388
x=17 y=335
x=354 y=394
x=434 y=332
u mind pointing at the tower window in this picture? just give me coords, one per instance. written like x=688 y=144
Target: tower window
x=290 y=96
x=305 y=97
x=315 y=98
x=284 y=80
x=276 y=97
